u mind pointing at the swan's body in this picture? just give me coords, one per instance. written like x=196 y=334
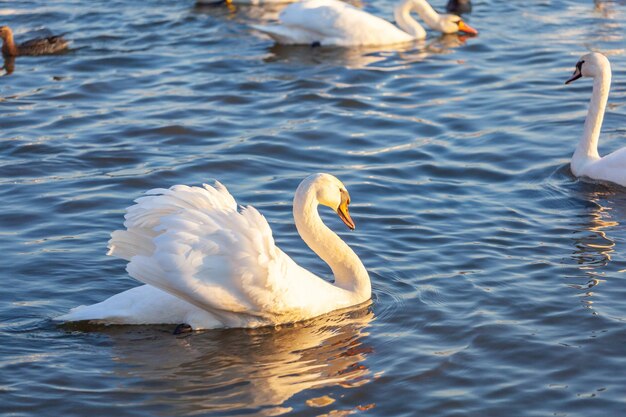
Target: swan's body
x=244 y=2
x=208 y=265
x=39 y=46
x=332 y=22
x=586 y=162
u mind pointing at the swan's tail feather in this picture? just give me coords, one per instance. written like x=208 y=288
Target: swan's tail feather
x=92 y=313
x=76 y=314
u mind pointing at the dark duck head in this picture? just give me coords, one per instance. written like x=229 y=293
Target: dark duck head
x=459 y=6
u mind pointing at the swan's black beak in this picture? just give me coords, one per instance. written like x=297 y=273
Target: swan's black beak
x=343 y=212
x=574 y=77
x=578 y=72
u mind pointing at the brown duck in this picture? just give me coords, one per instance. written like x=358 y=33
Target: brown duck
x=38 y=46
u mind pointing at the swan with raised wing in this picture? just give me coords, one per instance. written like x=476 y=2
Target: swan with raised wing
x=333 y=22
x=208 y=265
x=586 y=162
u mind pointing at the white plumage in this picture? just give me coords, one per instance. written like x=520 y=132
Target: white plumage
x=245 y=2
x=586 y=161
x=333 y=22
x=209 y=265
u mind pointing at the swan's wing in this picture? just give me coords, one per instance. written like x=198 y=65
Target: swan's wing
x=193 y=243
x=611 y=167
x=336 y=21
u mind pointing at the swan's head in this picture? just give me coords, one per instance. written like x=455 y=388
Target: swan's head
x=329 y=191
x=590 y=65
x=451 y=23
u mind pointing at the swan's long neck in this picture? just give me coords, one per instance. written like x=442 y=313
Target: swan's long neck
x=587 y=148
x=402 y=14
x=349 y=272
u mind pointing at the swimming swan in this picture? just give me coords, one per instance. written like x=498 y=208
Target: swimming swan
x=586 y=162
x=38 y=46
x=332 y=22
x=209 y=266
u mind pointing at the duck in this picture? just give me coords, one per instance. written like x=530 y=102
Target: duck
x=205 y=264
x=459 y=6
x=335 y=23
x=586 y=161
x=38 y=46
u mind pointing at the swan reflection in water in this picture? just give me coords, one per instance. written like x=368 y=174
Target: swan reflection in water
x=593 y=243
x=352 y=57
x=245 y=369
x=361 y=57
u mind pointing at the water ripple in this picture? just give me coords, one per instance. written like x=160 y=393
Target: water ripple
x=496 y=274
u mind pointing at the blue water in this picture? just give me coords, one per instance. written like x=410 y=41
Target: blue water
x=498 y=277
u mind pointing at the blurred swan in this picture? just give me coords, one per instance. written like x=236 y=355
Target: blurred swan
x=586 y=162
x=208 y=265
x=332 y=22
x=38 y=46
x=244 y=2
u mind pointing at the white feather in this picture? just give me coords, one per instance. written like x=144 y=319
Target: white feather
x=333 y=22
x=209 y=265
x=586 y=161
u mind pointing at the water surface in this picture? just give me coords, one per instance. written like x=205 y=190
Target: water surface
x=498 y=278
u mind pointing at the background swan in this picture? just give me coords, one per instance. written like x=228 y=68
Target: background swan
x=332 y=22
x=586 y=162
x=243 y=2
x=208 y=265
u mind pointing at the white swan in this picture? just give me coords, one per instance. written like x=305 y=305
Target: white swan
x=243 y=2
x=209 y=266
x=332 y=22
x=586 y=162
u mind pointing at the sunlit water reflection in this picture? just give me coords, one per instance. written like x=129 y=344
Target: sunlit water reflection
x=497 y=276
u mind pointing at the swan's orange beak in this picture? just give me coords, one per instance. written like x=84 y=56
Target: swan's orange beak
x=464 y=27
x=343 y=212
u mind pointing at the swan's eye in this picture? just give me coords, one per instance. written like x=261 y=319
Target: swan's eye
x=344 y=194
x=579 y=65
